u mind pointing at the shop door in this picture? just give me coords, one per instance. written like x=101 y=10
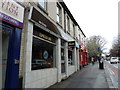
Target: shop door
x=10 y=56
x=62 y=61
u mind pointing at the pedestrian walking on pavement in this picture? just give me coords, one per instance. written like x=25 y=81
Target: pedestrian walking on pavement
x=92 y=61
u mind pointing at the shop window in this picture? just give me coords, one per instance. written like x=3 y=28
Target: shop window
x=42 y=54
x=70 y=56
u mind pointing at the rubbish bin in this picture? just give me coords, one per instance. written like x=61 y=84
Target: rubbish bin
x=101 y=65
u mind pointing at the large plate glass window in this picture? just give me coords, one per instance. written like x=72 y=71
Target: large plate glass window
x=42 y=54
x=43 y=50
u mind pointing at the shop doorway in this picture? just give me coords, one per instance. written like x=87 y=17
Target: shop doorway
x=10 y=56
x=63 y=71
x=5 y=45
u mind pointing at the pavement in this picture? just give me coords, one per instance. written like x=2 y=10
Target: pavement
x=89 y=77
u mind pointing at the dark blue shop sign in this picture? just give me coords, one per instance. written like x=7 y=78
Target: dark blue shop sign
x=12 y=13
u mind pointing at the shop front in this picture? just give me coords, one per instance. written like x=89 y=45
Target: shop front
x=83 y=57
x=43 y=47
x=70 y=47
x=42 y=52
x=10 y=29
x=73 y=50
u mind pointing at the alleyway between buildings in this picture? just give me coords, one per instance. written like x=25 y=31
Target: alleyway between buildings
x=89 y=77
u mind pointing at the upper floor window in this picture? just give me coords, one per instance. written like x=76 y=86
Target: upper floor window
x=59 y=14
x=82 y=40
x=73 y=29
x=42 y=3
x=79 y=37
x=67 y=24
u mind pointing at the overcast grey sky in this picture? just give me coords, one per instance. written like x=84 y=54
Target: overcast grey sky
x=96 y=17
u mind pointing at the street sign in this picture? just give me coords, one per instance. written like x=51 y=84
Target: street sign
x=98 y=48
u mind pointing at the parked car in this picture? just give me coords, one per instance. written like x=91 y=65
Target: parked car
x=114 y=60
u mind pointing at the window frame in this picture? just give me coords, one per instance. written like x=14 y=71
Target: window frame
x=71 y=62
x=45 y=5
x=54 y=52
x=74 y=30
x=67 y=23
x=59 y=14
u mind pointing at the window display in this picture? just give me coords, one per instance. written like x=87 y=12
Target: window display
x=42 y=54
x=70 y=56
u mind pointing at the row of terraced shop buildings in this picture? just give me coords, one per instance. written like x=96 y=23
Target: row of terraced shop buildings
x=41 y=44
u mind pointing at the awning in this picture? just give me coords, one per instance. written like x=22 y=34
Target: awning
x=77 y=45
x=67 y=38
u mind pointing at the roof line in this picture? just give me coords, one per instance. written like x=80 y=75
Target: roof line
x=69 y=13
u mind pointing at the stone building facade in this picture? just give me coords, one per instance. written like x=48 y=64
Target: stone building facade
x=49 y=49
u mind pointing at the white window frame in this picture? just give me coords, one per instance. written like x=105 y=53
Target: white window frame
x=59 y=14
x=67 y=24
x=73 y=29
x=42 y=4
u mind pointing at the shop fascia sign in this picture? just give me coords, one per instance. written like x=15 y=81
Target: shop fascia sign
x=12 y=12
x=45 y=37
x=42 y=24
x=73 y=44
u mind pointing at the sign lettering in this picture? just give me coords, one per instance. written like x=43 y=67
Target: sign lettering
x=45 y=37
x=11 y=12
x=72 y=43
x=10 y=7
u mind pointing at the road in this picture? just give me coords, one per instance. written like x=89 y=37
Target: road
x=115 y=65
x=89 y=77
x=113 y=72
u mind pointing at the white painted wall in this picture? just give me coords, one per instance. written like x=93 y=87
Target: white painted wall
x=37 y=78
x=41 y=78
x=71 y=69
x=58 y=59
x=52 y=10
